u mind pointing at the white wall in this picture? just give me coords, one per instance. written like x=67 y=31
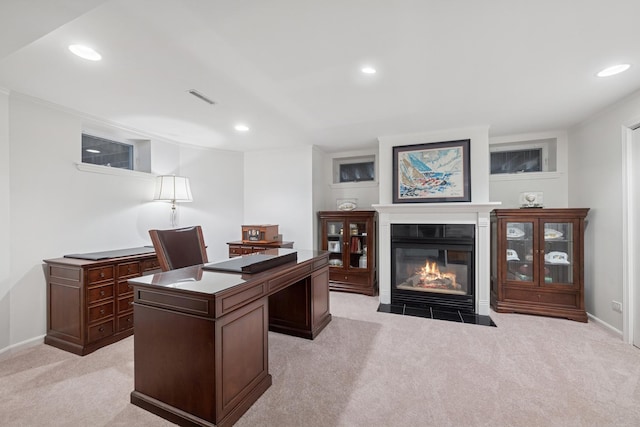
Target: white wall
x=595 y=181
x=319 y=185
x=506 y=188
x=479 y=152
x=217 y=185
x=5 y=224
x=367 y=193
x=279 y=190
x=56 y=209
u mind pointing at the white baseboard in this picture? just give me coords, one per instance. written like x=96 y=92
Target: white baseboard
x=7 y=352
x=605 y=325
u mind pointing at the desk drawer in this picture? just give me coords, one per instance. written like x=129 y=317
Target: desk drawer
x=125 y=304
x=150 y=264
x=100 y=293
x=100 y=312
x=124 y=288
x=100 y=274
x=130 y=269
x=100 y=331
x=125 y=322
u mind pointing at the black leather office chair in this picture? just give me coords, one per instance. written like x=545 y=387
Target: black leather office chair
x=180 y=247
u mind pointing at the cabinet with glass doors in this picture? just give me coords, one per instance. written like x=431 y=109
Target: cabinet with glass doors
x=537 y=258
x=350 y=238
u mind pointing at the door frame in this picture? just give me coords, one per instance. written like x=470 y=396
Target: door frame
x=630 y=283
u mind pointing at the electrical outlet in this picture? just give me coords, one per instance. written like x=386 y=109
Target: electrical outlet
x=616 y=306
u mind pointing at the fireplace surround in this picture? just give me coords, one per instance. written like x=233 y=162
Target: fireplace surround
x=473 y=214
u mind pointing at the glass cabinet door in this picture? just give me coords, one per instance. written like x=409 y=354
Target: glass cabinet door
x=558 y=253
x=520 y=252
x=355 y=242
x=335 y=230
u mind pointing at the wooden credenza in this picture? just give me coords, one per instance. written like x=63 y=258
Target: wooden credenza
x=241 y=247
x=89 y=302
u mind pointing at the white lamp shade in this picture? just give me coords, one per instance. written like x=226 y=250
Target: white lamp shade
x=173 y=188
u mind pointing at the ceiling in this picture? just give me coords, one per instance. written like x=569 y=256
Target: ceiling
x=290 y=69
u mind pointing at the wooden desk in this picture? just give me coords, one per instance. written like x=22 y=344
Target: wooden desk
x=201 y=342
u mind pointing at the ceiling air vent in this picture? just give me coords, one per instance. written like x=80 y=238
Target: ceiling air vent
x=201 y=96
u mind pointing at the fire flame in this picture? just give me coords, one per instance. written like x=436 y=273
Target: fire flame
x=430 y=275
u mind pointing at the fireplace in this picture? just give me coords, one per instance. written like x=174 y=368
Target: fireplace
x=433 y=266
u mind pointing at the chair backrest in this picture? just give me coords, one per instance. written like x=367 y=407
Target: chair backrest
x=180 y=247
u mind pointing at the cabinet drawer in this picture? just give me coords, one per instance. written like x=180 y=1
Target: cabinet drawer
x=352 y=278
x=125 y=322
x=541 y=297
x=100 y=331
x=100 y=312
x=100 y=274
x=235 y=250
x=100 y=293
x=125 y=304
x=150 y=264
x=124 y=288
x=130 y=269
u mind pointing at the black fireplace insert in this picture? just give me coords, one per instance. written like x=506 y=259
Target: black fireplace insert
x=432 y=266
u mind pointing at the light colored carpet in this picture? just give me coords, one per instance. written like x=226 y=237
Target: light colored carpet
x=369 y=369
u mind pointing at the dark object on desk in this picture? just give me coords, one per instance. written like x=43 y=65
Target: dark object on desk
x=180 y=247
x=253 y=263
x=118 y=253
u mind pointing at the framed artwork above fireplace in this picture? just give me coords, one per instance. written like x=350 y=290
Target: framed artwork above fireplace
x=432 y=173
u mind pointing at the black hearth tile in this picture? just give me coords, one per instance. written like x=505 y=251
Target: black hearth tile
x=391 y=308
x=431 y=313
x=477 y=319
x=453 y=316
x=418 y=312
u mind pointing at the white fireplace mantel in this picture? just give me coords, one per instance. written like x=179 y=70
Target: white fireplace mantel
x=437 y=213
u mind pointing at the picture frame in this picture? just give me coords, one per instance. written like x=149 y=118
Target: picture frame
x=333 y=246
x=432 y=172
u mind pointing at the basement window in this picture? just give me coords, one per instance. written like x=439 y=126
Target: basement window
x=523 y=157
x=104 y=152
x=354 y=169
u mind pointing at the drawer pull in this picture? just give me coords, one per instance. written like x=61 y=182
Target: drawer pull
x=102 y=311
x=102 y=293
x=129 y=320
x=102 y=274
x=101 y=328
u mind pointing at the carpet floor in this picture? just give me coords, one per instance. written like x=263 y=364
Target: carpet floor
x=368 y=369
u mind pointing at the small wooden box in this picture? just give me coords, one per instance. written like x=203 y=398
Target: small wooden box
x=260 y=234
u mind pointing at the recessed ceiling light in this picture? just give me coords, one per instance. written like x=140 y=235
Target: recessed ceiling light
x=85 y=52
x=241 y=127
x=91 y=150
x=368 y=70
x=615 y=69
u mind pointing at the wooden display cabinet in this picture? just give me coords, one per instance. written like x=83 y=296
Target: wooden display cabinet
x=537 y=262
x=350 y=238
